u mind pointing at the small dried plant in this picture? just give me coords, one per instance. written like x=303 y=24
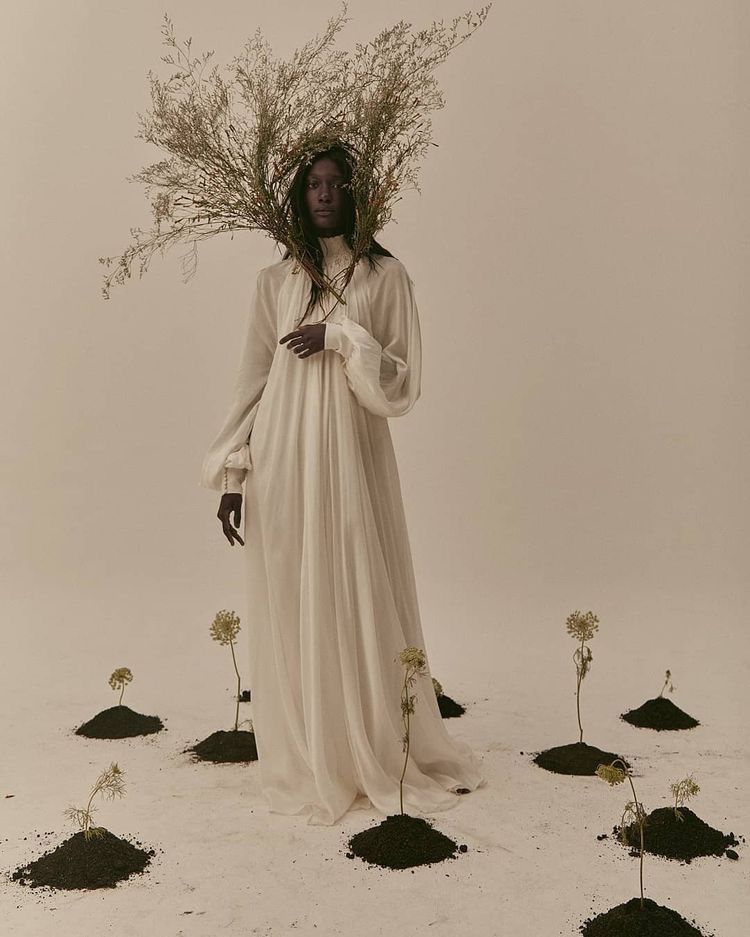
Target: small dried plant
x=118 y=680
x=109 y=784
x=668 y=685
x=224 y=629
x=582 y=626
x=234 y=138
x=634 y=812
x=682 y=791
x=414 y=663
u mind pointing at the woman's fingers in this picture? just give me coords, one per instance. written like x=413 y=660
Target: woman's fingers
x=230 y=533
x=231 y=505
x=306 y=340
x=237 y=521
x=297 y=333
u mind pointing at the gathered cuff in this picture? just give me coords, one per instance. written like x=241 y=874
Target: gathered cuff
x=332 y=338
x=236 y=466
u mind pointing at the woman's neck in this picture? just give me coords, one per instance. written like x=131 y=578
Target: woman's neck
x=336 y=253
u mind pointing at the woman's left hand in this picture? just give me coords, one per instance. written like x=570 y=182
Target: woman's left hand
x=306 y=340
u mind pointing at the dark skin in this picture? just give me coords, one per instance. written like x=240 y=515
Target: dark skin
x=325 y=203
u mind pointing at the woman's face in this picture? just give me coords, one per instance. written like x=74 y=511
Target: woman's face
x=324 y=196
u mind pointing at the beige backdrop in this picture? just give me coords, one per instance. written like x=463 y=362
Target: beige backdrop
x=580 y=256
x=580 y=253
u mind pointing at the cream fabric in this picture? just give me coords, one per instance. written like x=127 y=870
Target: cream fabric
x=332 y=596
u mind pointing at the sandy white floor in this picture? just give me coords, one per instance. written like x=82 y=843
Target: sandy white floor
x=224 y=865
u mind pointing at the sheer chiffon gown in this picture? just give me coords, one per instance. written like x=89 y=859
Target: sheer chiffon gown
x=331 y=592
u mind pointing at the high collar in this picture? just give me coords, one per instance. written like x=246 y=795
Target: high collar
x=336 y=253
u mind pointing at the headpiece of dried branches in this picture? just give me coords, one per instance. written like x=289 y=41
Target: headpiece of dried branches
x=236 y=136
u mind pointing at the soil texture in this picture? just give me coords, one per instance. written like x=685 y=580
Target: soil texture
x=232 y=746
x=666 y=835
x=401 y=842
x=630 y=920
x=660 y=714
x=119 y=722
x=101 y=862
x=449 y=708
x=578 y=758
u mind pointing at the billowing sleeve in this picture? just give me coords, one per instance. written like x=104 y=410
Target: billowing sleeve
x=228 y=458
x=384 y=369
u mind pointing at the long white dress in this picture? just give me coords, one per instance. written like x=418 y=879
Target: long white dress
x=331 y=589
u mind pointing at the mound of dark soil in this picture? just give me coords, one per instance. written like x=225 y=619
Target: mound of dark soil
x=449 y=708
x=401 y=842
x=119 y=722
x=227 y=747
x=630 y=920
x=660 y=714
x=666 y=835
x=101 y=862
x=578 y=758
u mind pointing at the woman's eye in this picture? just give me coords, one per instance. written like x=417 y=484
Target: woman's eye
x=314 y=184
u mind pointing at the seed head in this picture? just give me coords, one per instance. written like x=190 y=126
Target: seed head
x=120 y=677
x=225 y=627
x=683 y=790
x=611 y=774
x=582 y=625
x=413 y=658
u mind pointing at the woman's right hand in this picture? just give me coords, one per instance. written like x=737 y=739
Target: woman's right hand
x=230 y=503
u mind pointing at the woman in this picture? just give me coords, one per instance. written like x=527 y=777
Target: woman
x=332 y=596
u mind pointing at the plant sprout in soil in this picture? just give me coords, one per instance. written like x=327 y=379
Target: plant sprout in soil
x=639 y=917
x=676 y=832
x=660 y=713
x=93 y=857
x=236 y=745
x=402 y=841
x=119 y=722
x=577 y=758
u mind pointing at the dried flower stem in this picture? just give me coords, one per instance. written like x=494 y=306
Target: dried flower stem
x=581 y=663
x=667 y=683
x=582 y=627
x=415 y=663
x=118 y=680
x=109 y=784
x=406 y=712
x=616 y=775
x=224 y=629
x=239 y=688
x=682 y=791
x=234 y=138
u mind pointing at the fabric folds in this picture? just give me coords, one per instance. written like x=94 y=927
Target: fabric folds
x=332 y=598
